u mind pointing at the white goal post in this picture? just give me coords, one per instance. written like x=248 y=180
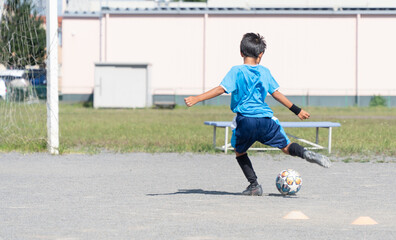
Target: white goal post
x=52 y=77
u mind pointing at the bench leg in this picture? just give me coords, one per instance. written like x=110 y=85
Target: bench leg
x=329 y=147
x=214 y=137
x=226 y=140
x=317 y=135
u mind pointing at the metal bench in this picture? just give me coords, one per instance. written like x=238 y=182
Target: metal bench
x=317 y=125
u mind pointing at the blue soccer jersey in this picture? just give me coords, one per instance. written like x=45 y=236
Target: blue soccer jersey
x=249 y=86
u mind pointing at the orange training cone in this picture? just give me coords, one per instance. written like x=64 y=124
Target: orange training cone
x=296 y=215
x=364 y=221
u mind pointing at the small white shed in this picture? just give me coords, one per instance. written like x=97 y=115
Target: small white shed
x=122 y=85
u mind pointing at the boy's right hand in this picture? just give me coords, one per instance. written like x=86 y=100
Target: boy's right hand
x=190 y=101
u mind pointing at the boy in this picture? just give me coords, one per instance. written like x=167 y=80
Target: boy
x=249 y=84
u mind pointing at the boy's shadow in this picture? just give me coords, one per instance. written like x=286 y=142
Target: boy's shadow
x=195 y=191
x=207 y=192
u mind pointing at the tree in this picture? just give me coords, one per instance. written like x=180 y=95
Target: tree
x=22 y=35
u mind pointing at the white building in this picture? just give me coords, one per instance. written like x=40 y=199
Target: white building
x=332 y=53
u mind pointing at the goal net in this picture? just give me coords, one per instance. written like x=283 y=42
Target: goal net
x=23 y=76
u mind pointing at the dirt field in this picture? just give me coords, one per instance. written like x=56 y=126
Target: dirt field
x=189 y=196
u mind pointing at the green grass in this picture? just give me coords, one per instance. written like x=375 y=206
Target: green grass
x=364 y=131
x=138 y=130
x=22 y=127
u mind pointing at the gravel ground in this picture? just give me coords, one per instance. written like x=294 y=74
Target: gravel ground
x=190 y=196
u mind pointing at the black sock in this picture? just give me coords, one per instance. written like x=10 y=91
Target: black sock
x=247 y=168
x=297 y=150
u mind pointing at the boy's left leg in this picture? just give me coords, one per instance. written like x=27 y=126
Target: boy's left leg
x=254 y=189
x=242 y=139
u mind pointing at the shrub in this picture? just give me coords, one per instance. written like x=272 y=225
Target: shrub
x=377 y=100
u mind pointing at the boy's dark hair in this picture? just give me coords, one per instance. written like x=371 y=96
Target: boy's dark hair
x=252 y=45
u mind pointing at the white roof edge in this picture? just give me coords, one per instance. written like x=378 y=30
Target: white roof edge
x=92 y=6
x=302 y=3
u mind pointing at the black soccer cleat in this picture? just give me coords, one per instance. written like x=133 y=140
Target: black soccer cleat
x=317 y=158
x=253 y=190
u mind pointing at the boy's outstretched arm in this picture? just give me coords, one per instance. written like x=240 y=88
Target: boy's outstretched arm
x=192 y=100
x=286 y=102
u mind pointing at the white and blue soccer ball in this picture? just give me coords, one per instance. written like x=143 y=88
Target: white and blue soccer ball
x=288 y=182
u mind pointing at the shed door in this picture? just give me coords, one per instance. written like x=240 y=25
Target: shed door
x=120 y=87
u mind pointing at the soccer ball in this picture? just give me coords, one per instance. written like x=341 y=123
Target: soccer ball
x=288 y=182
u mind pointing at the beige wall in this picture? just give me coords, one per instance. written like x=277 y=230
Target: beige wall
x=80 y=50
x=377 y=55
x=173 y=45
x=303 y=53
x=313 y=54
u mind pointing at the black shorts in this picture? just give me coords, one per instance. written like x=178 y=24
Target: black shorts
x=265 y=130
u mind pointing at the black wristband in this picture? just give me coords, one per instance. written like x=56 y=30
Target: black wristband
x=295 y=109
